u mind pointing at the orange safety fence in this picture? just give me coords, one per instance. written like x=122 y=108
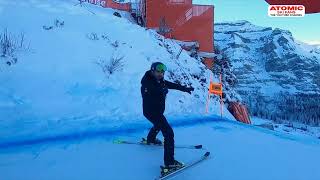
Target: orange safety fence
x=240 y=112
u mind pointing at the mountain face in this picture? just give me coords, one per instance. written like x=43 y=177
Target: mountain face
x=270 y=69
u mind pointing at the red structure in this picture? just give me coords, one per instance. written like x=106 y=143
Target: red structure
x=176 y=19
x=311 y=6
x=120 y=6
x=111 y=4
x=181 y=20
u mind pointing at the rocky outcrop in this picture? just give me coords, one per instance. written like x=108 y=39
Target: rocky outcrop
x=264 y=62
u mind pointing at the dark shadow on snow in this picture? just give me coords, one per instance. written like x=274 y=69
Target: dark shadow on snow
x=107 y=132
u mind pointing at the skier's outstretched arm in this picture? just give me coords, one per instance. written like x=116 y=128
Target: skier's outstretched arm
x=176 y=86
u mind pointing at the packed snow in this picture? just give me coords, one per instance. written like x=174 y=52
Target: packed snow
x=238 y=152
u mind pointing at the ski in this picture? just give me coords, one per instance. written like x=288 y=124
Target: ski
x=156 y=145
x=186 y=166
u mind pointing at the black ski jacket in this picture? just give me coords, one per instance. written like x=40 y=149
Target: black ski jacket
x=154 y=94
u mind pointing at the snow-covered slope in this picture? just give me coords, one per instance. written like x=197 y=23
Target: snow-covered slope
x=58 y=82
x=238 y=152
x=266 y=63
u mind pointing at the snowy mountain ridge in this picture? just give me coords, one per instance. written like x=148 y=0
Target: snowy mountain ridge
x=267 y=63
x=272 y=49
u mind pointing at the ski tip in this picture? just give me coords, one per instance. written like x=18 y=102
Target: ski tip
x=198 y=146
x=207 y=154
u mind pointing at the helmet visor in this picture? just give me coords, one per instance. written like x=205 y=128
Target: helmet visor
x=161 y=68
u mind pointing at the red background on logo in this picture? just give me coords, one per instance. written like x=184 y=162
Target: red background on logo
x=312 y=6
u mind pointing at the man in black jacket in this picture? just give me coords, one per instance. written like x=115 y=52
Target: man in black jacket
x=154 y=90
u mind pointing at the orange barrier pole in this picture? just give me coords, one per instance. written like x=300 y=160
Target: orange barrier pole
x=221 y=100
x=220 y=108
x=208 y=98
x=207 y=105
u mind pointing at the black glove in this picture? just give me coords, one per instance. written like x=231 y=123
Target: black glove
x=188 y=89
x=165 y=91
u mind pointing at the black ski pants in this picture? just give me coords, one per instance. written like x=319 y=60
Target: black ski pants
x=160 y=123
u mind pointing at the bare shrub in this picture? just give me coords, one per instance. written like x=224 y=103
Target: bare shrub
x=105 y=37
x=93 y=36
x=10 y=44
x=163 y=26
x=47 y=27
x=114 y=64
x=115 y=44
x=58 y=23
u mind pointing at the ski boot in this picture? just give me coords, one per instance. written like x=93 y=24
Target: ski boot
x=156 y=142
x=171 y=168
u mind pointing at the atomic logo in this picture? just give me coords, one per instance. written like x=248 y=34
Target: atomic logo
x=286 y=11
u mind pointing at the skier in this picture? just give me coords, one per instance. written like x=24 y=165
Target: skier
x=154 y=90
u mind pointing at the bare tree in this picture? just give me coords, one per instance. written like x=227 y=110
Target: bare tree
x=163 y=26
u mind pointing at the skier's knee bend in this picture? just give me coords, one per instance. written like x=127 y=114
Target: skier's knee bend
x=152 y=117
x=147 y=115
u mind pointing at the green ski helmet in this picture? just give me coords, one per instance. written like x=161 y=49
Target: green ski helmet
x=158 y=66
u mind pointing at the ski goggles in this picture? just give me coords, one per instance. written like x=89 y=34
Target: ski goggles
x=161 y=68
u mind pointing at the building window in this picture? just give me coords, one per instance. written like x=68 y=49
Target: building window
x=189 y=14
x=199 y=10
